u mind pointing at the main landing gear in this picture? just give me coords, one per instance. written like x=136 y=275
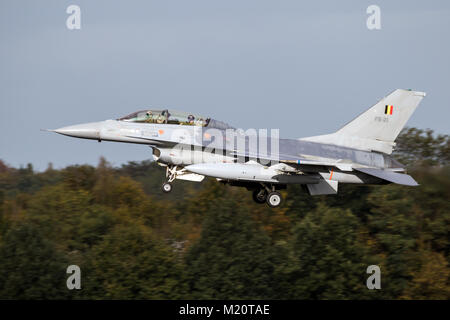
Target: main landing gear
x=171 y=174
x=268 y=195
x=274 y=199
x=260 y=195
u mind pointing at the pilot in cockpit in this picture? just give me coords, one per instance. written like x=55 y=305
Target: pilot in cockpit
x=149 y=116
x=200 y=122
x=191 y=119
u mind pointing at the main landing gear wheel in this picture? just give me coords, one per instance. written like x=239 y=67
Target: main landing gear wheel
x=166 y=187
x=260 y=195
x=274 y=199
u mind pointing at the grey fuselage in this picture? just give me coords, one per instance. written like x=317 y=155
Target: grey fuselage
x=184 y=145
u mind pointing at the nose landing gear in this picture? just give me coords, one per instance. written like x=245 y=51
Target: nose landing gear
x=167 y=187
x=171 y=174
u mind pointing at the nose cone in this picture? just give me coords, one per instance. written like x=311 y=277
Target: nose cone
x=85 y=130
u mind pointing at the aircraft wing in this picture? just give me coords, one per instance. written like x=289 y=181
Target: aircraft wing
x=391 y=176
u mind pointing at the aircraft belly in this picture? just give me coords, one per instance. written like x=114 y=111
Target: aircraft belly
x=250 y=172
x=284 y=179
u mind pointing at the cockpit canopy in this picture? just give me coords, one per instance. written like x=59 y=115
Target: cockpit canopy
x=166 y=117
x=173 y=117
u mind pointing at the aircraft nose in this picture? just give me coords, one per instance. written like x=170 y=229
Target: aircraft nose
x=85 y=130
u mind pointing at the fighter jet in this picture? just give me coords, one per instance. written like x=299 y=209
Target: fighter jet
x=192 y=147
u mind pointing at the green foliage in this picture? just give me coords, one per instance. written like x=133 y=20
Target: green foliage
x=422 y=146
x=131 y=263
x=327 y=259
x=31 y=267
x=68 y=217
x=79 y=177
x=212 y=241
x=431 y=281
x=233 y=259
x=406 y=221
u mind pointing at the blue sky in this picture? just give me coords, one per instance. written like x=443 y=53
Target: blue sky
x=306 y=69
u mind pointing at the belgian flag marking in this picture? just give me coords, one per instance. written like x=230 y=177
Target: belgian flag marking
x=388 y=109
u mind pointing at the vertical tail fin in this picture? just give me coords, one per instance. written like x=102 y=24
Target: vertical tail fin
x=377 y=128
x=386 y=119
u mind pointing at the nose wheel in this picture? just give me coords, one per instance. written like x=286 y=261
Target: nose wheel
x=166 y=187
x=171 y=174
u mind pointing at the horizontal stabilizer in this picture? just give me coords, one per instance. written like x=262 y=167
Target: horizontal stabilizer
x=323 y=187
x=398 y=178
